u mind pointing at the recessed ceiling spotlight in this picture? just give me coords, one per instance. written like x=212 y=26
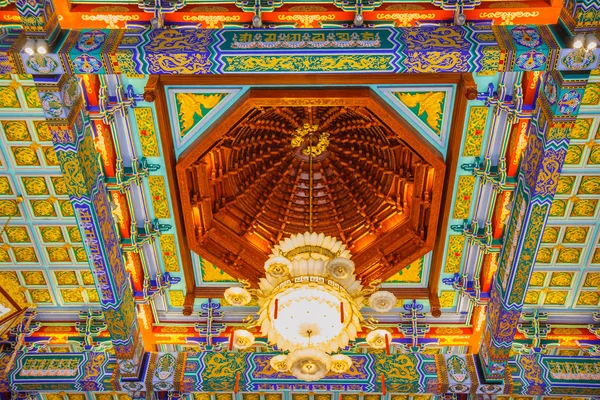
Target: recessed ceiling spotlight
x=578 y=41
x=42 y=46
x=591 y=41
x=29 y=47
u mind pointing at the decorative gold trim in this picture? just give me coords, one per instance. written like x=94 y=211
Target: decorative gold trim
x=305 y=20
x=110 y=19
x=508 y=17
x=212 y=21
x=405 y=19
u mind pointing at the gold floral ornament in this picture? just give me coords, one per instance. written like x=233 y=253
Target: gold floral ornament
x=309 y=364
x=279 y=363
x=382 y=301
x=242 y=339
x=278 y=267
x=340 y=363
x=379 y=338
x=237 y=296
x=340 y=268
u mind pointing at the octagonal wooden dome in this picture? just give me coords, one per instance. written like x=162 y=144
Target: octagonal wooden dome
x=246 y=184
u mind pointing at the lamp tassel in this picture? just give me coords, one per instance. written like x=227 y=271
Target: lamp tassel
x=236 y=388
x=341 y=312
x=231 y=340
x=387 y=345
x=276 y=309
x=383 y=389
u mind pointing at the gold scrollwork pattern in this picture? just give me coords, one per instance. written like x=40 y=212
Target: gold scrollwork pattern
x=212 y=21
x=508 y=17
x=346 y=62
x=405 y=19
x=306 y=20
x=112 y=20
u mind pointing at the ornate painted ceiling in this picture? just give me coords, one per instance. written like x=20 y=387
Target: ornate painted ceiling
x=131 y=199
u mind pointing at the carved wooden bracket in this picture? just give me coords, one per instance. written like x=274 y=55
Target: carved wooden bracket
x=150 y=88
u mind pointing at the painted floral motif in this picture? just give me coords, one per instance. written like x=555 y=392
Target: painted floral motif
x=574 y=154
x=42 y=208
x=147 y=133
x=66 y=209
x=88 y=278
x=32 y=97
x=43 y=133
x=92 y=295
x=447 y=299
x=80 y=254
x=569 y=102
x=25 y=254
x=453 y=258
x=457 y=368
x=33 y=277
x=594 y=157
x=52 y=105
x=74 y=234
x=537 y=279
x=87 y=64
x=588 y=298
x=411 y=274
x=591 y=96
x=475 y=131
x=34 y=185
x=578 y=59
x=582 y=127
x=550 y=89
x=16 y=131
x=158 y=194
x=71 y=295
x=531 y=60
x=58 y=182
x=556 y=298
x=51 y=234
x=70 y=92
x=41 y=63
x=8 y=98
x=58 y=254
x=176 y=297
x=526 y=36
x=596 y=257
x=50 y=156
x=427 y=106
x=4 y=256
x=40 y=296
x=568 y=256
x=90 y=40
x=592 y=279
x=464 y=195
x=565 y=184
x=193 y=107
x=589 y=185
x=575 y=234
x=169 y=252
x=25 y=156
x=563 y=279
x=544 y=255
x=17 y=234
x=9 y=208
x=584 y=208
x=66 y=278
x=211 y=273
x=5 y=187
x=550 y=234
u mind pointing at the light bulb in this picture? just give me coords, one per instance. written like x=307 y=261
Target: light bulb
x=578 y=41
x=591 y=42
x=29 y=47
x=42 y=47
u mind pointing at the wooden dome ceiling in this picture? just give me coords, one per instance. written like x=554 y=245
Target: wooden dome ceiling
x=247 y=184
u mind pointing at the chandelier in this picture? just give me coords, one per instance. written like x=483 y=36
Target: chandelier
x=310 y=299
x=310 y=302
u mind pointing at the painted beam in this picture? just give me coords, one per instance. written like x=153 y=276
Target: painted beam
x=557 y=107
x=250 y=372
x=426 y=49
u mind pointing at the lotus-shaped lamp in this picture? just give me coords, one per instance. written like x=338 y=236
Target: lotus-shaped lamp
x=377 y=338
x=340 y=268
x=309 y=364
x=340 y=363
x=242 y=339
x=280 y=363
x=278 y=267
x=237 y=296
x=382 y=301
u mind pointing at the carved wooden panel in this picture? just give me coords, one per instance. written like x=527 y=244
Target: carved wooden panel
x=376 y=184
